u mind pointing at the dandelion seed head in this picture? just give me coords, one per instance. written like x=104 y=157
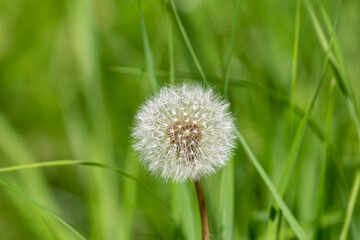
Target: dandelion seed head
x=184 y=132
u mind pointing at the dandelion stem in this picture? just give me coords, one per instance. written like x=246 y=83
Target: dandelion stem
x=203 y=212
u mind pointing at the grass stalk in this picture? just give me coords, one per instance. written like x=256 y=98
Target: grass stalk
x=93 y=164
x=14 y=148
x=229 y=49
x=294 y=224
x=148 y=55
x=170 y=45
x=294 y=66
x=188 y=43
x=351 y=205
x=322 y=180
x=227 y=201
x=291 y=160
x=44 y=208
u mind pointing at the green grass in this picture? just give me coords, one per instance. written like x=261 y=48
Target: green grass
x=74 y=73
x=49 y=211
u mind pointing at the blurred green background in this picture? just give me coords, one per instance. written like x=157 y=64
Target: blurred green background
x=74 y=72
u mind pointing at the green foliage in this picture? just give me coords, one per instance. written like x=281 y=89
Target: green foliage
x=73 y=74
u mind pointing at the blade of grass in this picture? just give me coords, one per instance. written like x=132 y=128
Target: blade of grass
x=351 y=206
x=129 y=190
x=170 y=44
x=336 y=45
x=148 y=56
x=271 y=186
x=41 y=165
x=227 y=201
x=229 y=50
x=324 y=43
x=87 y=163
x=294 y=66
x=299 y=136
x=13 y=147
x=46 y=209
x=132 y=71
x=183 y=210
x=188 y=43
x=344 y=193
x=321 y=187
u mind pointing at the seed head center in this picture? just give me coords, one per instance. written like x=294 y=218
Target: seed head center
x=185 y=135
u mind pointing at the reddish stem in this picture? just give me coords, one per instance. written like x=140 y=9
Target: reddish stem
x=203 y=213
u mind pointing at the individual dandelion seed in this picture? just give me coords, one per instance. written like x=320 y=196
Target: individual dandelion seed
x=184 y=132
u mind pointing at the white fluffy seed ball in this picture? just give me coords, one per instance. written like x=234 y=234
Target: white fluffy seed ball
x=184 y=132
